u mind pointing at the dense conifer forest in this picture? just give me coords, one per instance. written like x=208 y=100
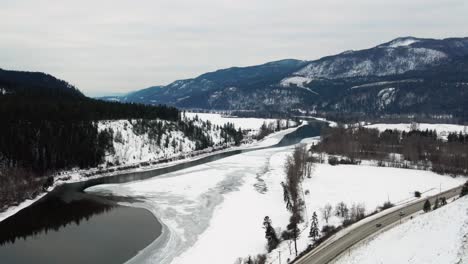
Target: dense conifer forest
x=49 y=125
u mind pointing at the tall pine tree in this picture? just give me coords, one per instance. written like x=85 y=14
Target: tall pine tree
x=270 y=234
x=427 y=206
x=314 y=230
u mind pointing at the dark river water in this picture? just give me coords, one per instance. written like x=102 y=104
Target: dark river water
x=71 y=226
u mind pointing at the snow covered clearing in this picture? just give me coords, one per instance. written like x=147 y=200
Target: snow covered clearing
x=245 y=123
x=440 y=236
x=213 y=213
x=442 y=129
x=330 y=123
x=385 y=83
x=298 y=81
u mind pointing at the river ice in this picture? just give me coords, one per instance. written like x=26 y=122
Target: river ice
x=213 y=213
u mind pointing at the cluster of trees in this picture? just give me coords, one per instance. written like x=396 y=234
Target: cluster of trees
x=438 y=202
x=45 y=146
x=268 y=128
x=417 y=147
x=26 y=183
x=259 y=259
x=195 y=130
x=349 y=214
x=270 y=234
x=297 y=167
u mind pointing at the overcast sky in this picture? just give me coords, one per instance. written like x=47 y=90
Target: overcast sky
x=107 y=46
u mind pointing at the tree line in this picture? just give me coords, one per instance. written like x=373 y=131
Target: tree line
x=417 y=147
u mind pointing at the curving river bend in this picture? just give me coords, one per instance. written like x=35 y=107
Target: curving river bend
x=69 y=225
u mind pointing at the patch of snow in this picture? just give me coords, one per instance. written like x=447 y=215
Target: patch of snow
x=385 y=83
x=330 y=123
x=440 y=236
x=298 y=81
x=402 y=42
x=388 y=64
x=385 y=97
x=244 y=123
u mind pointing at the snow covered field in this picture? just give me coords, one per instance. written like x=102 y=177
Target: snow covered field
x=442 y=129
x=213 y=213
x=242 y=122
x=439 y=236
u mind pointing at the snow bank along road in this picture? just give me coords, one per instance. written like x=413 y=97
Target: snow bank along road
x=333 y=247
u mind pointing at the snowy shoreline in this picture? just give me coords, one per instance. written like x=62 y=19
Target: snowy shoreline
x=79 y=176
x=197 y=205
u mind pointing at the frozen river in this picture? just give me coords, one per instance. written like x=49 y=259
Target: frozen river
x=72 y=226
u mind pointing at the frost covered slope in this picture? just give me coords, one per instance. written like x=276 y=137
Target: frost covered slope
x=132 y=145
x=436 y=237
x=388 y=61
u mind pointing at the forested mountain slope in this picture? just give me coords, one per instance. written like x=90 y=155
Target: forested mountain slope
x=404 y=76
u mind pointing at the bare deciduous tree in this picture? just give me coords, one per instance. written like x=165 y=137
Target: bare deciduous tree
x=326 y=212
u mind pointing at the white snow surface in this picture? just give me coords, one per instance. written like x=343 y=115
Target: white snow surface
x=132 y=148
x=440 y=236
x=402 y=42
x=385 y=96
x=299 y=81
x=442 y=129
x=245 y=123
x=213 y=213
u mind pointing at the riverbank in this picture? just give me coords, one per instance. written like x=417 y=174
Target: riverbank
x=220 y=205
x=81 y=175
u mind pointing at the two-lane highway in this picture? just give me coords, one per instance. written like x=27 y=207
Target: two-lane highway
x=338 y=244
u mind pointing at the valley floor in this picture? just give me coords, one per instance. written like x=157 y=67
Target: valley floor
x=78 y=175
x=213 y=213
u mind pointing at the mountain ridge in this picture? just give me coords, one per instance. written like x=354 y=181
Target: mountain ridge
x=318 y=85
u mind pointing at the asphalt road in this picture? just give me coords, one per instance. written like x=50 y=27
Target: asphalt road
x=331 y=248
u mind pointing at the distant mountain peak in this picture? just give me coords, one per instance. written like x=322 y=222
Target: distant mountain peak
x=400 y=42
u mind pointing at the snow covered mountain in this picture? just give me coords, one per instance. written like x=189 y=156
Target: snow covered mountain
x=330 y=83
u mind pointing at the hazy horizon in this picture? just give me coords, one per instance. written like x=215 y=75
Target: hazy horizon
x=110 y=47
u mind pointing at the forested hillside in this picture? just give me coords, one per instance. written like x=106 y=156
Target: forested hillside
x=48 y=125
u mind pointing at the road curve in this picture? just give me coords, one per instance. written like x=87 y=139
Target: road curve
x=334 y=246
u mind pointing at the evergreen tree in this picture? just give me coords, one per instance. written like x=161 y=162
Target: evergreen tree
x=436 y=204
x=427 y=206
x=270 y=234
x=464 y=190
x=314 y=230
